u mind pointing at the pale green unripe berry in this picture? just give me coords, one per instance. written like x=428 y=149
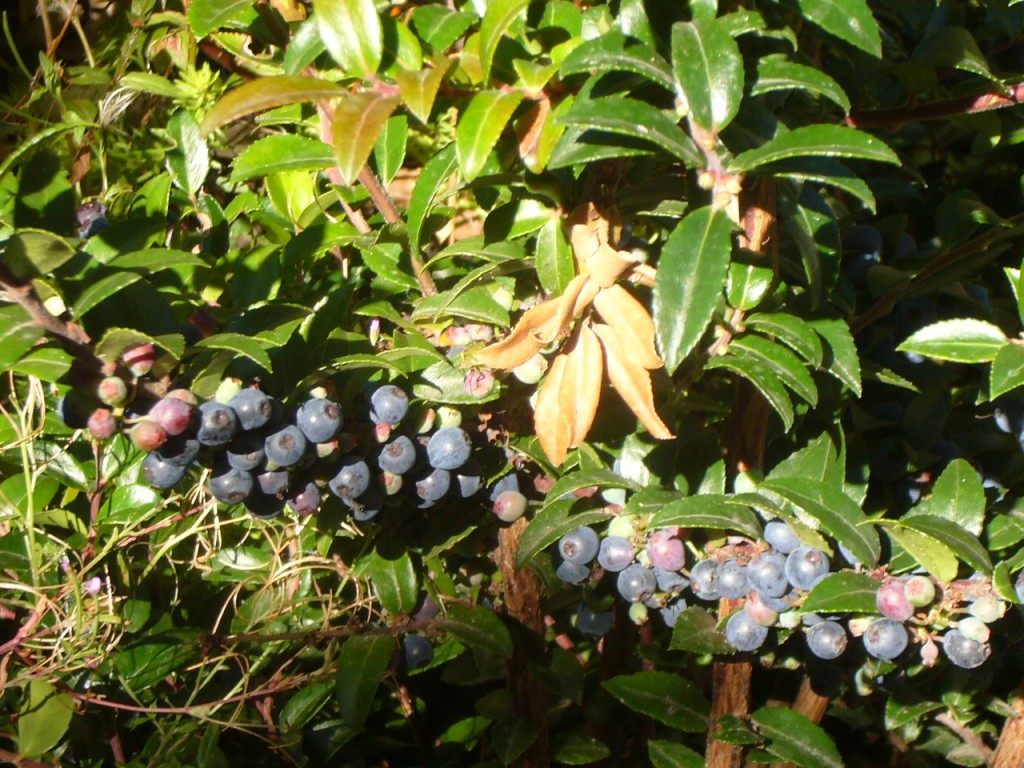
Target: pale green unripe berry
x=974 y=628
x=227 y=389
x=789 y=619
x=638 y=613
x=988 y=609
x=920 y=590
x=622 y=525
x=446 y=416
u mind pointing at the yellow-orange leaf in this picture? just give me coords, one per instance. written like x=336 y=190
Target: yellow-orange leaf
x=553 y=430
x=581 y=384
x=632 y=323
x=583 y=236
x=632 y=381
x=607 y=265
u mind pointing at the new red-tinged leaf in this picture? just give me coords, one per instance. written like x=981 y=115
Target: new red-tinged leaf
x=358 y=121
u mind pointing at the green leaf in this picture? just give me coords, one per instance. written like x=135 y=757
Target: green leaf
x=432 y=177
x=964 y=340
x=614 y=52
x=46 y=364
x=666 y=697
x=394 y=580
x=478 y=628
x=898 y=714
x=43 y=719
x=815 y=141
x=952 y=47
x=267 y=93
x=708 y=511
x=497 y=19
x=843 y=592
x=18 y=334
x=155 y=656
x=101 y=290
x=930 y=553
x=959 y=496
x=149 y=83
x=842 y=359
x=761 y=376
x=823 y=170
x=440 y=27
x=551 y=524
x=794 y=738
x=361 y=665
x=389 y=153
x=30 y=253
x=579 y=749
x=475 y=304
x=351 y=31
x=708 y=71
x=959 y=541
x=153 y=260
x=812 y=225
x=791 y=331
x=513 y=737
x=780 y=361
x=117 y=340
x=204 y=16
x=588 y=478
x=189 y=161
x=696 y=631
x=480 y=126
x=358 y=120
x=1007 y=371
x=554 y=260
x=667 y=754
x=818 y=460
x=691 y=275
x=631 y=117
x=849 y=20
x=777 y=73
x=419 y=89
x=837 y=512
x=239 y=344
x=283 y=152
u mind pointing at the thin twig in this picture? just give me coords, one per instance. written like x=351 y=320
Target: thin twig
x=965 y=733
x=936 y=110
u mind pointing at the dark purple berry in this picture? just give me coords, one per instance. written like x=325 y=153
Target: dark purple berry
x=591 y=622
x=766 y=573
x=388 y=405
x=704 y=580
x=580 y=545
x=885 y=639
x=352 y=480
x=161 y=473
x=449 y=448
x=319 y=420
x=572 y=573
x=826 y=639
x=230 y=486
x=245 y=451
x=963 y=652
x=253 y=407
x=805 y=567
x=285 y=448
x=304 y=500
x=732 y=579
x=417 y=652
x=743 y=633
x=173 y=414
x=398 y=456
x=615 y=553
x=432 y=487
x=274 y=482
x=217 y=424
x=636 y=583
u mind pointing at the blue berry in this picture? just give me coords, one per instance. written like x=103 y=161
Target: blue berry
x=319 y=420
x=417 y=652
x=469 y=481
x=636 y=583
x=432 y=487
x=304 y=499
x=253 y=408
x=591 y=622
x=580 y=545
x=217 y=424
x=74 y=409
x=398 y=456
x=964 y=652
x=615 y=553
x=743 y=633
x=162 y=473
x=367 y=506
x=509 y=482
x=668 y=581
x=885 y=639
x=826 y=639
x=245 y=451
x=285 y=447
x=181 y=450
x=263 y=506
x=449 y=448
x=732 y=579
x=572 y=573
x=230 y=486
x=704 y=580
x=388 y=405
x=671 y=612
x=274 y=482
x=805 y=567
x=766 y=573
x=352 y=480
x=779 y=535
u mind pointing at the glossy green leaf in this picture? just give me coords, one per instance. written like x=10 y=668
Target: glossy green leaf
x=281 y=152
x=837 y=513
x=796 y=739
x=783 y=363
x=815 y=141
x=433 y=176
x=899 y=714
x=150 y=83
x=952 y=47
x=394 y=580
x=156 y=655
x=818 y=460
x=29 y=253
x=958 y=496
x=579 y=749
x=480 y=127
x=841 y=359
x=668 y=754
x=553 y=258
x=440 y=27
x=1007 y=371
x=476 y=304
x=791 y=331
x=358 y=121
x=419 y=89
x=239 y=344
x=691 y=275
x=761 y=376
x=708 y=511
x=305 y=704
x=204 y=16
x=588 y=478
x=964 y=340
x=189 y=161
x=637 y=119
x=696 y=631
x=46 y=364
x=152 y=260
x=748 y=283
x=1003 y=583
x=18 y=333
x=499 y=16
x=103 y=289
x=823 y=170
x=812 y=224
x=551 y=524
x=959 y=541
x=43 y=719
x=267 y=93
x=843 y=592
x=305 y=46
x=666 y=697
x=849 y=20
x=777 y=73
x=928 y=552
x=708 y=71
x=478 y=628
x=351 y=30
x=361 y=665
x=614 y=52
x=443 y=383
x=513 y=737
x=389 y=153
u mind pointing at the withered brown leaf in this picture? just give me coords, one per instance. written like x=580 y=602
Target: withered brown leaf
x=580 y=389
x=550 y=424
x=632 y=324
x=632 y=381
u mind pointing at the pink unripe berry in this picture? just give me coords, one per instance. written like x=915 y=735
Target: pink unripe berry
x=665 y=549
x=139 y=359
x=920 y=590
x=480 y=332
x=509 y=506
x=892 y=601
x=929 y=653
x=184 y=395
x=392 y=483
x=102 y=424
x=173 y=414
x=458 y=336
x=858 y=626
x=147 y=435
x=382 y=432
x=759 y=612
x=112 y=391
x=479 y=383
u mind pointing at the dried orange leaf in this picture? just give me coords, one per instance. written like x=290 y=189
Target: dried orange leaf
x=632 y=323
x=632 y=381
x=549 y=423
x=522 y=343
x=566 y=311
x=581 y=384
x=607 y=265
